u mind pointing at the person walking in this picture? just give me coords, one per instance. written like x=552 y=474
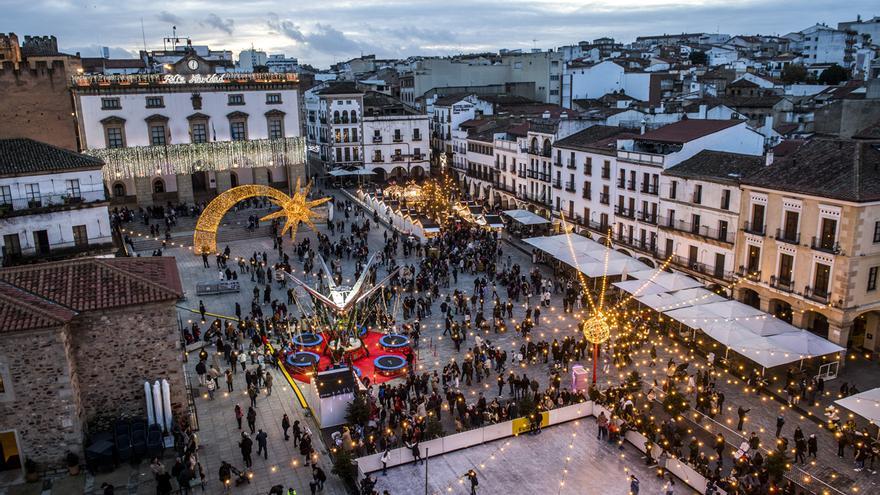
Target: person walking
x=319 y=476
x=246 y=445
x=267 y=382
x=252 y=393
x=252 y=419
x=297 y=432
x=386 y=456
x=238 y=415
x=812 y=446
x=285 y=425
x=780 y=422
x=262 y=447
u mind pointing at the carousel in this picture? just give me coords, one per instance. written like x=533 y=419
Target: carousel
x=346 y=326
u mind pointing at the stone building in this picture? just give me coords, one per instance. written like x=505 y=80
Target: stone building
x=78 y=339
x=34 y=91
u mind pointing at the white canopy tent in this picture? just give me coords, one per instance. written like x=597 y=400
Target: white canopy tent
x=671 y=281
x=702 y=315
x=526 y=217
x=346 y=173
x=679 y=299
x=804 y=343
x=865 y=404
x=640 y=287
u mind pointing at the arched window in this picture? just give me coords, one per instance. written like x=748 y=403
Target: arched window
x=336 y=116
x=158 y=186
x=547 y=149
x=345 y=116
x=233 y=179
x=534 y=146
x=354 y=117
x=119 y=190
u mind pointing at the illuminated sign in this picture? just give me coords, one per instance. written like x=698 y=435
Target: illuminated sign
x=194 y=79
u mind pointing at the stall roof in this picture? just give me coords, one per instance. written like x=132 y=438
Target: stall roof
x=639 y=287
x=526 y=217
x=866 y=404
x=344 y=173
x=494 y=221
x=679 y=299
x=671 y=281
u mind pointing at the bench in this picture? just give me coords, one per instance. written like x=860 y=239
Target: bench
x=214 y=288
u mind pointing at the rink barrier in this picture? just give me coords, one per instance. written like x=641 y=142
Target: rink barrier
x=444 y=445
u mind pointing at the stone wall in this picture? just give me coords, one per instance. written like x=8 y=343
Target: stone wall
x=44 y=407
x=117 y=350
x=37 y=104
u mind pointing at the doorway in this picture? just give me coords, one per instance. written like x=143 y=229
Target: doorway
x=41 y=242
x=10 y=457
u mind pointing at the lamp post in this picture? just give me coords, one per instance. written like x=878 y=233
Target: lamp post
x=596 y=330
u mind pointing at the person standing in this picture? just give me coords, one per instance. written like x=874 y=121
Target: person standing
x=252 y=393
x=285 y=425
x=386 y=456
x=319 y=476
x=262 y=444
x=297 y=432
x=812 y=446
x=252 y=419
x=267 y=382
x=246 y=445
x=633 y=485
x=472 y=477
x=238 y=415
x=741 y=412
x=229 y=376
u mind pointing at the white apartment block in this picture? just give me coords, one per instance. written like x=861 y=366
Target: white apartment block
x=826 y=45
x=447 y=113
x=52 y=201
x=593 y=81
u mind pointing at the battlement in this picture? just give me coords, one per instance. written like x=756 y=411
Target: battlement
x=9 y=49
x=51 y=67
x=39 y=45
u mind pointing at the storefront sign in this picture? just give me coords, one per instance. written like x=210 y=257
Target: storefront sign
x=194 y=79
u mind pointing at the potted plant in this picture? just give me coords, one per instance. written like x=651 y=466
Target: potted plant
x=30 y=471
x=72 y=463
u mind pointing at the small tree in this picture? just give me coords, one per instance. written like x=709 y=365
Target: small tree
x=698 y=58
x=794 y=73
x=833 y=75
x=344 y=467
x=527 y=406
x=778 y=463
x=675 y=403
x=433 y=428
x=358 y=410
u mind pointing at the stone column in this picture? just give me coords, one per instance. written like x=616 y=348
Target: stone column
x=839 y=334
x=261 y=176
x=143 y=189
x=185 y=188
x=296 y=171
x=224 y=181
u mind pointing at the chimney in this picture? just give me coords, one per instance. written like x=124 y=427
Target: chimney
x=642 y=127
x=704 y=109
x=768 y=158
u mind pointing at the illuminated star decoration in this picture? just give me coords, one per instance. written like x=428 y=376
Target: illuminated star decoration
x=296 y=209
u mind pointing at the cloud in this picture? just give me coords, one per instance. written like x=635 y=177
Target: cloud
x=97 y=51
x=285 y=27
x=214 y=21
x=328 y=39
x=169 y=18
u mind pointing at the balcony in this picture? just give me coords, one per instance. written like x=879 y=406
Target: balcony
x=418 y=156
x=521 y=173
x=500 y=186
x=47 y=203
x=557 y=184
x=817 y=294
x=644 y=246
x=545 y=152
x=716 y=272
x=606 y=172
x=621 y=184
x=557 y=163
x=631 y=185
x=825 y=245
x=789 y=237
x=604 y=199
x=752 y=273
x=637 y=157
x=587 y=194
x=417 y=137
x=570 y=164
x=697 y=199
x=698 y=230
x=650 y=218
x=650 y=189
x=396 y=158
x=624 y=212
x=569 y=186
x=541 y=199
x=377 y=139
x=752 y=228
x=398 y=139
x=783 y=284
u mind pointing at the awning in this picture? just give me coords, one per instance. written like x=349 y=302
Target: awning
x=865 y=404
x=639 y=287
x=705 y=314
x=613 y=267
x=671 y=281
x=494 y=221
x=679 y=299
x=526 y=217
x=804 y=343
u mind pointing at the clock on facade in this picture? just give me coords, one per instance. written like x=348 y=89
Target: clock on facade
x=193 y=64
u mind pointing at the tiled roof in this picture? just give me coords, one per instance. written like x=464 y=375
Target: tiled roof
x=22 y=156
x=96 y=283
x=871 y=132
x=787 y=147
x=717 y=166
x=21 y=310
x=340 y=88
x=687 y=130
x=587 y=138
x=743 y=83
x=830 y=168
x=447 y=100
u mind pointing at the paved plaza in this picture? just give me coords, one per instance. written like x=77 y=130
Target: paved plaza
x=218 y=433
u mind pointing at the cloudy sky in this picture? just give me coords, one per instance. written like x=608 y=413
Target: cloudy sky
x=321 y=32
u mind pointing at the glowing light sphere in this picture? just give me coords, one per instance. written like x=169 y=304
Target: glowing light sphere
x=596 y=329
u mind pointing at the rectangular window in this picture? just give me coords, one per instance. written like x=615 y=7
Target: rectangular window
x=698 y=194
x=11 y=245
x=588 y=168
x=877 y=231
x=673 y=189
x=236 y=99
x=606 y=170
x=5 y=195
x=32 y=193
x=276 y=130
x=155 y=102
x=110 y=104
x=114 y=137
x=786 y=265
x=273 y=98
x=754 y=259
x=199 y=132
x=820 y=285
x=872 y=277
x=725 y=199
x=80 y=236
x=757 y=218
x=417 y=135
x=238 y=131
x=828 y=233
x=72 y=186
x=157 y=134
